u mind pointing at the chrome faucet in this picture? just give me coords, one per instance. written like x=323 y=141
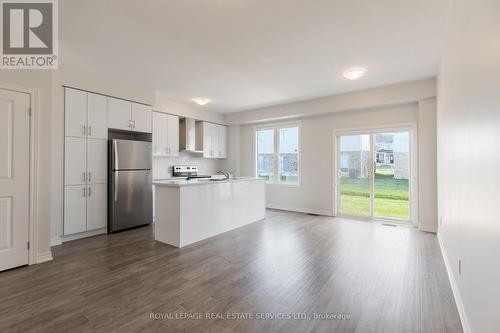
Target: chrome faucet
x=225 y=173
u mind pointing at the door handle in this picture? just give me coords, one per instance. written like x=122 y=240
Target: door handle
x=115 y=189
x=84 y=192
x=84 y=176
x=90 y=130
x=90 y=176
x=84 y=130
x=115 y=155
x=90 y=192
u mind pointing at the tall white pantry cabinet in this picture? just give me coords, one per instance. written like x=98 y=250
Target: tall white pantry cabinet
x=85 y=157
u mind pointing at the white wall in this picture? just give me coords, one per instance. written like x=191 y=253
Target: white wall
x=427 y=164
x=469 y=160
x=316 y=192
x=232 y=162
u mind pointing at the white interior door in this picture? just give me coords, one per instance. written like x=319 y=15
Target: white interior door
x=14 y=178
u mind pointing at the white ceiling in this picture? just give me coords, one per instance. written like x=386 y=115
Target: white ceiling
x=245 y=54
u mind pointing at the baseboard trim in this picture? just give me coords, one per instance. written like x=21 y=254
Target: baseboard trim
x=299 y=209
x=454 y=288
x=55 y=241
x=428 y=228
x=85 y=234
x=43 y=257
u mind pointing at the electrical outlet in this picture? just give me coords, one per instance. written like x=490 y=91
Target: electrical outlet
x=459 y=266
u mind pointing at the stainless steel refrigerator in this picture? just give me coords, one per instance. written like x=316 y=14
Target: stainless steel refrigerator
x=130 y=185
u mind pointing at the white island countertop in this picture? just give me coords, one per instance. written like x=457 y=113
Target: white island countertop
x=202 y=181
x=188 y=211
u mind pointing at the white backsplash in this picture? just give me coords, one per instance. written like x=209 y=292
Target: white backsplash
x=162 y=166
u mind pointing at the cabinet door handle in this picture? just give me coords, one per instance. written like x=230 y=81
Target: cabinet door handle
x=90 y=192
x=133 y=121
x=90 y=176
x=130 y=123
x=90 y=130
x=84 y=129
x=84 y=176
x=84 y=192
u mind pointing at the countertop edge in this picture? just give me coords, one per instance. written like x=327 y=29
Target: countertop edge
x=168 y=183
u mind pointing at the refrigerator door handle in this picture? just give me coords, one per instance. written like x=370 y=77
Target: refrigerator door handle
x=115 y=189
x=115 y=155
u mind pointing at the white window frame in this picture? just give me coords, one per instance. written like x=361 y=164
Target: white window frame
x=276 y=128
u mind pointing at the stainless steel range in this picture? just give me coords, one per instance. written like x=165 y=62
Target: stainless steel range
x=187 y=171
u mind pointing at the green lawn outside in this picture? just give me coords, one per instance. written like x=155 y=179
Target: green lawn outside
x=391 y=195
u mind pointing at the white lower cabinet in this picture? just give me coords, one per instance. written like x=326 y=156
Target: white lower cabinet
x=75 y=209
x=96 y=206
x=84 y=208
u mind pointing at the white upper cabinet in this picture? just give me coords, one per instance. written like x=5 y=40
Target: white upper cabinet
x=141 y=117
x=97 y=116
x=85 y=114
x=75 y=118
x=129 y=116
x=214 y=140
x=165 y=134
x=207 y=140
x=160 y=140
x=119 y=114
x=222 y=151
x=173 y=135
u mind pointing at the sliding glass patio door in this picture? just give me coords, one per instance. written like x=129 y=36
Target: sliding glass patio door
x=374 y=174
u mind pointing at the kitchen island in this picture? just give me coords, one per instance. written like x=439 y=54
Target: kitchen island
x=190 y=211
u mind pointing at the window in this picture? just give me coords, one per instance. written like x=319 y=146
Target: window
x=277 y=157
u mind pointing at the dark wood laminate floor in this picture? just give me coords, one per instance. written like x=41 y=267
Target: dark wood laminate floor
x=388 y=279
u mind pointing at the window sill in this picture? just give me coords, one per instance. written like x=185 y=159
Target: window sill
x=284 y=184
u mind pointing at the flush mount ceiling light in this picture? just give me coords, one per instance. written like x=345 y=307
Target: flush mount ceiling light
x=201 y=101
x=354 y=73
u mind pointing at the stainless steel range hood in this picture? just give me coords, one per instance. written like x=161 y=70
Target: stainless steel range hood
x=190 y=139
